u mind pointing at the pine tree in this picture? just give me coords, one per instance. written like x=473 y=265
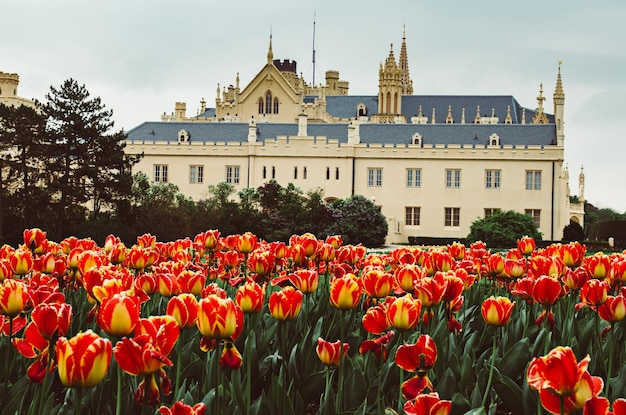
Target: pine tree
x=86 y=162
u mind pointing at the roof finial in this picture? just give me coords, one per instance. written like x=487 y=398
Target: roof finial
x=270 y=54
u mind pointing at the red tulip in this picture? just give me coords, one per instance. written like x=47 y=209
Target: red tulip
x=594 y=292
x=261 y=262
x=208 y=240
x=180 y=408
x=573 y=254
x=598 y=265
x=250 y=297
x=21 y=262
x=613 y=309
x=558 y=376
x=13 y=297
x=219 y=318
x=335 y=240
x=184 y=309
x=375 y=319
x=330 y=353
x=325 y=252
x=404 y=313
x=305 y=280
x=84 y=360
x=427 y=404
x=376 y=283
x=430 y=290
x=406 y=275
x=230 y=358
x=515 y=268
x=546 y=291
x=285 y=304
x=345 y=292
x=497 y=310
x=419 y=357
x=163 y=332
x=34 y=239
x=526 y=245
x=574 y=279
x=119 y=314
x=246 y=243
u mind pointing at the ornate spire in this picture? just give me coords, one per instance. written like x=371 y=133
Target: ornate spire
x=540 y=116
x=270 y=54
x=407 y=84
x=558 y=90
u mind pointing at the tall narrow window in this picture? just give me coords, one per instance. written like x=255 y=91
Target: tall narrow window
x=412 y=215
x=533 y=179
x=452 y=217
x=336 y=173
x=275 y=105
x=492 y=179
x=160 y=173
x=232 y=174
x=374 y=177
x=536 y=215
x=304 y=172
x=196 y=174
x=453 y=178
x=295 y=173
x=413 y=177
x=268 y=103
x=264 y=172
x=273 y=172
x=327 y=173
x=261 y=106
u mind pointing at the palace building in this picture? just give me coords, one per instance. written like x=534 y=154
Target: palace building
x=433 y=164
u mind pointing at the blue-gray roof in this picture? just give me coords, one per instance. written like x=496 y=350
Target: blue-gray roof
x=346 y=106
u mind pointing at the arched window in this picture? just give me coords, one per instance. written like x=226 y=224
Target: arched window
x=275 y=105
x=260 y=105
x=494 y=140
x=388 y=103
x=361 y=110
x=268 y=102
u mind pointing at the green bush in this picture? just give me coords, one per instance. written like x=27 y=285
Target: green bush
x=503 y=229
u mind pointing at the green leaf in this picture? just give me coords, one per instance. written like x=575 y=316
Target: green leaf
x=476 y=411
x=510 y=394
x=514 y=361
x=447 y=386
x=460 y=404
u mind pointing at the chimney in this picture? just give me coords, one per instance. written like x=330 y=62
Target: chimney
x=252 y=131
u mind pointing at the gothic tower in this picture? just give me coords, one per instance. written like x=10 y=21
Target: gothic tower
x=559 y=104
x=407 y=84
x=390 y=86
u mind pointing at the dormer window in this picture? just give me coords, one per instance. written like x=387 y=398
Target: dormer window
x=494 y=140
x=183 y=136
x=416 y=139
x=361 y=110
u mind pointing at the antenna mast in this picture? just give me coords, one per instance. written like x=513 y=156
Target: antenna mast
x=313 y=84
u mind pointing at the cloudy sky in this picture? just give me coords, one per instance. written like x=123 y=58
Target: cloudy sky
x=142 y=56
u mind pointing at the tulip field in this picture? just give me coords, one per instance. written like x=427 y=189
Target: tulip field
x=230 y=324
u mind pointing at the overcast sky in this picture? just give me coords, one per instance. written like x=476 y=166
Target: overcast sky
x=142 y=56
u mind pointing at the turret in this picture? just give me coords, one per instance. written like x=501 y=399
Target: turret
x=559 y=104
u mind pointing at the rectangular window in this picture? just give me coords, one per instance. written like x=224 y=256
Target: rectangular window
x=536 y=215
x=264 y=172
x=491 y=211
x=295 y=173
x=327 y=173
x=273 y=172
x=160 y=173
x=533 y=180
x=453 y=178
x=452 y=217
x=304 y=172
x=336 y=173
x=413 y=177
x=492 y=179
x=412 y=217
x=374 y=177
x=196 y=174
x=232 y=174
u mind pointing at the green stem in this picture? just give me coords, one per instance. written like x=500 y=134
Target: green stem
x=493 y=363
x=327 y=395
x=610 y=364
x=77 y=404
x=400 y=397
x=562 y=405
x=340 y=368
x=217 y=384
x=118 y=403
x=179 y=350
